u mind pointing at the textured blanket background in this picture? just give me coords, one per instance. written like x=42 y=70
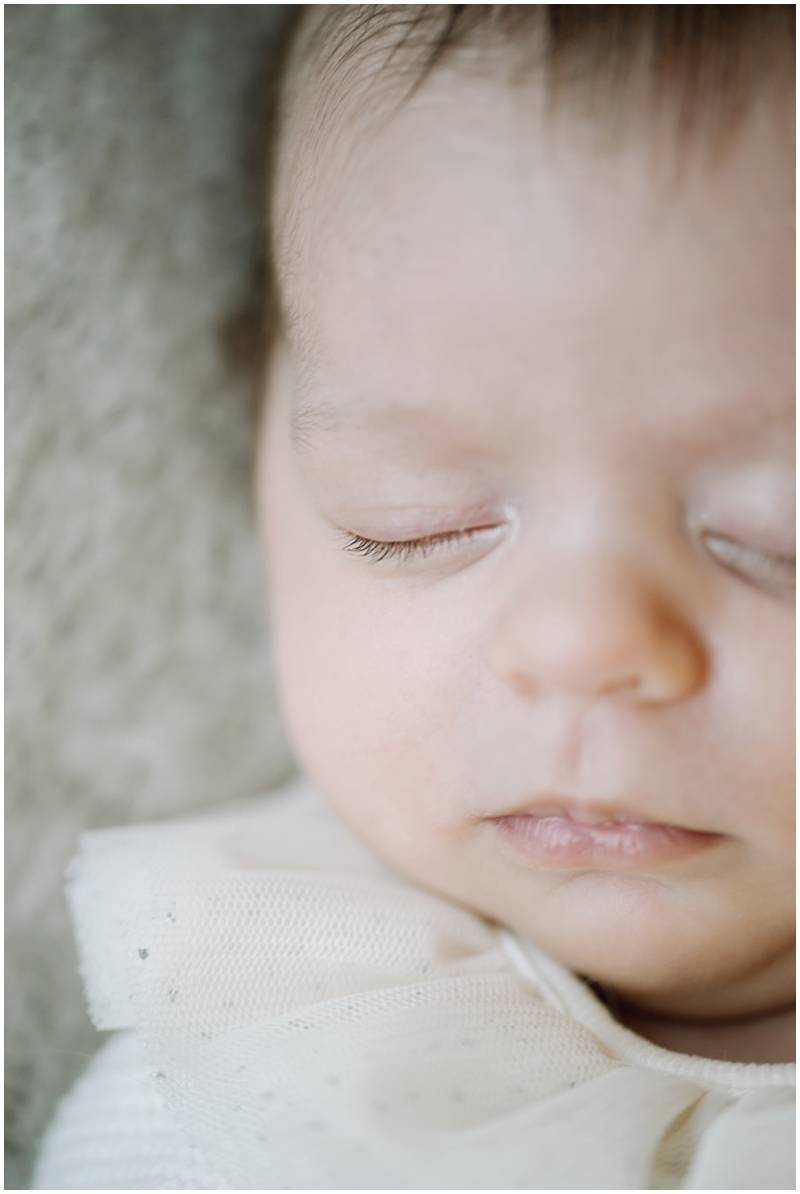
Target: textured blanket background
x=138 y=668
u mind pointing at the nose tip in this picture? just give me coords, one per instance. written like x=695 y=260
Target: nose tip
x=619 y=642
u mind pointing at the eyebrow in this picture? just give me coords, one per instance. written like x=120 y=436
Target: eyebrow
x=755 y=421
x=310 y=413
x=314 y=415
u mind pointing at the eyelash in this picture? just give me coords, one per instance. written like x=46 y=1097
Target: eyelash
x=405 y=549
x=767 y=568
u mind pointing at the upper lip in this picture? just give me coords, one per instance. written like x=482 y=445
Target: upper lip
x=586 y=810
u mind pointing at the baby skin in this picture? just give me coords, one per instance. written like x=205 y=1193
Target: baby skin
x=526 y=486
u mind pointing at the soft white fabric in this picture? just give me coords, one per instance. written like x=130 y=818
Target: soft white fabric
x=297 y=1016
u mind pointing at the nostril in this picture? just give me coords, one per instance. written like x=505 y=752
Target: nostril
x=623 y=644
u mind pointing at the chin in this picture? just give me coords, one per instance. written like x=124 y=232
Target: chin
x=651 y=970
x=627 y=932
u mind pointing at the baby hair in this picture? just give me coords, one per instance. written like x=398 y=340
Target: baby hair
x=692 y=71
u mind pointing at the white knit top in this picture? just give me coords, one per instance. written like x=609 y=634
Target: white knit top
x=294 y=1015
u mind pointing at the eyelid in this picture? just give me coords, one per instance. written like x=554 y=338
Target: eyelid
x=767 y=567
x=404 y=549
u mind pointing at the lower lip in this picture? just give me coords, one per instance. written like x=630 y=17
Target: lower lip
x=561 y=842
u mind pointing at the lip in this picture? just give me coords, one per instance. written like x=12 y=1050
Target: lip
x=563 y=833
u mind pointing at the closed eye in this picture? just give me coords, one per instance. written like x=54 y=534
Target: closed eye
x=405 y=549
x=774 y=572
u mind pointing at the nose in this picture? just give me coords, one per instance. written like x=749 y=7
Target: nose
x=595 y=632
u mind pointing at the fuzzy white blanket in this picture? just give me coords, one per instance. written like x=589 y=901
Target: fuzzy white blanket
x=138 y=667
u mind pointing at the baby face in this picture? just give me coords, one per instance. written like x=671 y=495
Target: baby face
x=527 y=493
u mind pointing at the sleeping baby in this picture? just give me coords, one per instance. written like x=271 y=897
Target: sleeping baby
x=525 y=479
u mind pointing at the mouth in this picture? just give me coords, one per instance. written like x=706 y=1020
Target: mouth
x=562 y=833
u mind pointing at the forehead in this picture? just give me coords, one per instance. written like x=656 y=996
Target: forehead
x=459 y=246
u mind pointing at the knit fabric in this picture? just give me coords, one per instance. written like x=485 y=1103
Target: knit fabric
x=294 y=1015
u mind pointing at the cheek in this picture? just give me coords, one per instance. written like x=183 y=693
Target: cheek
x=766 y=723
x=369 y=689
x=743 y=749
x=369 y=705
